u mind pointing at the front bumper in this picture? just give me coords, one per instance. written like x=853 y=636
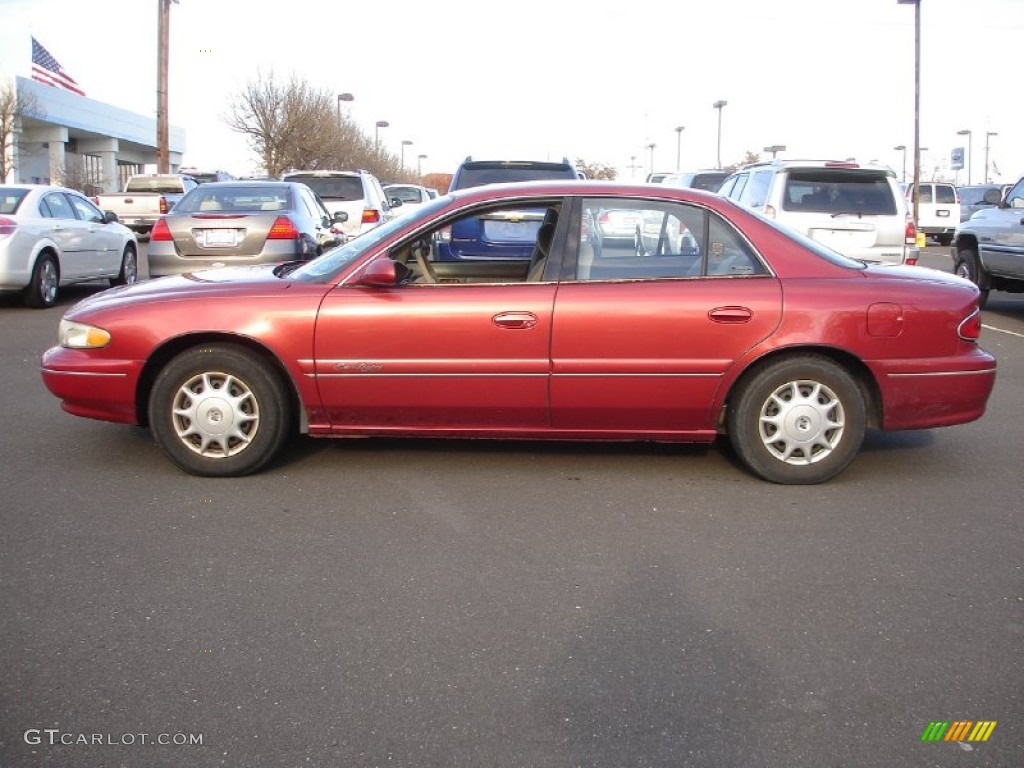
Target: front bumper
x=95 y=388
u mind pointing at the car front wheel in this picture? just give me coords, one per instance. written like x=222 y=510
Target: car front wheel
x=967 y=267
x=798 y=420
x=218 y=411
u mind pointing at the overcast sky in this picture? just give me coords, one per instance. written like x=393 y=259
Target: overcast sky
x=545 y=79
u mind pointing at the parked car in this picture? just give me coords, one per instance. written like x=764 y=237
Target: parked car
x=51 y=236
x=235 y=223
x=357 y=194
x=500 y=234
x=988 y=248
x=204 y=177
x=792 y=356
x=618 y=224
x=857 y=210
x=938 y=211
x=709 y=180
x=145 y=198
x=977 y=196
x=656 y=177
x=412 y=196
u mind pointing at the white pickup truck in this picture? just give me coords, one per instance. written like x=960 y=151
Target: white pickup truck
x=146 y=197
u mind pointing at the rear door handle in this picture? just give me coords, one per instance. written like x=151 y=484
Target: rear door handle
x=730 y=315
x=515 y=320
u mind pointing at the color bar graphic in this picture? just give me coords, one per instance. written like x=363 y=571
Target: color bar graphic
x=958 y=730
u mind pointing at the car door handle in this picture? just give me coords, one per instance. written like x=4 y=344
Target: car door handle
x=515 y=320
x=730 y=315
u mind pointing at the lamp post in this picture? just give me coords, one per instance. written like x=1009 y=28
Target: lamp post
x=917 y=106
x=632 y=167
x=987 y=135
x=376 y=133
x=775 y=148
x=903 y=148
x=970 y=152
x=718 y=105
x=343 y=97
x=419 y=165
x=163 y=148
x=405 y=143
x=651 y=147
x=679 y=145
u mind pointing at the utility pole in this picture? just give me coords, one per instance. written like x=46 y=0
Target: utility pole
x=163 y=150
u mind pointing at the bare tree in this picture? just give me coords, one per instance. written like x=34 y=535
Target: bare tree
x=293 y=125
x=596 y=170
x=12 y=106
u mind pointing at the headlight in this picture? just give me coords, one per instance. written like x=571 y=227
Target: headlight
x=81 y=336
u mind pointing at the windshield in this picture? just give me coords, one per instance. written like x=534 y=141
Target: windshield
x=324 y=268
x=252 y=198
x=166 y=185
x=480 y=173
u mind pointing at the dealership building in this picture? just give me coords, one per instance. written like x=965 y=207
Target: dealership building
x=55 y=136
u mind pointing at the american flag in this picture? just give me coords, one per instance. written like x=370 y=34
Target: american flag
x=45 y=69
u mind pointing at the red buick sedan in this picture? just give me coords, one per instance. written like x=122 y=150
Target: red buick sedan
x=725 y=324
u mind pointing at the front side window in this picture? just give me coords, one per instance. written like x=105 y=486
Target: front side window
x=86 y=211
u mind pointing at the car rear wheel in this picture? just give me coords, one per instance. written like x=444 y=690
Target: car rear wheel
x=798 y=420
x=42 y=288
x=129 y=273
x=218 y=411
x=967 y=266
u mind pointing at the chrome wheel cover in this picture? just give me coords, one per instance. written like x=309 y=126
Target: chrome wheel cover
x=801 y=422
x=131 y=267
x=962 y=270
x=215 y=415
x=48 y=282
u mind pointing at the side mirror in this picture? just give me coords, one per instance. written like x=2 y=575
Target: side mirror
x=381 y=272
x=340 y=217
x=109 y=217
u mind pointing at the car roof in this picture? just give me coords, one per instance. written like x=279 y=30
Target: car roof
x=851 y=165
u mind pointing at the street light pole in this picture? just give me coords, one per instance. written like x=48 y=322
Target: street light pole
x=718 y=105
x=651 y=147
x=970 y=152
x=903 y=148
x=917 y=106
x=163 y=149
x=405 y=143
x=419 y=166
x=679 y=145
x=987 y=135
x=343 y=97
x=775 y=148
x=376 y=134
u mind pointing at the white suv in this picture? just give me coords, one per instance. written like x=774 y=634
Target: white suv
x=857 y=210
x=357 y=193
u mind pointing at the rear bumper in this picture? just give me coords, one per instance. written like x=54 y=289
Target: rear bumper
x=94 y=388
x=935 y=392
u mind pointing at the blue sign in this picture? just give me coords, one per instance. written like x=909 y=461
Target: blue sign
x=956 y=158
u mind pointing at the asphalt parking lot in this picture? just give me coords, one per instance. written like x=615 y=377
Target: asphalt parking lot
x=386 y=603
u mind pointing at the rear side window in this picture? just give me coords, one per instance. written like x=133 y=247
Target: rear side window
x=837 y=191
x=944 y=193
x=755 y=193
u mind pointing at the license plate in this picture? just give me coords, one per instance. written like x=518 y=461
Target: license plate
x=943 y=213
x=219 y=238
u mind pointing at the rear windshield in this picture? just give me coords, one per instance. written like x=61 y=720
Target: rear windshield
x=164 y=186
x=974 y=195
x=836 y=191
x=249 y=199
x=709 y=182
x=480 y=173
x=10 y=199
x=332 y=187
x=405 y=194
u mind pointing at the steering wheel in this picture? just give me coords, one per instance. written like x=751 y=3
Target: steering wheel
x=418 y=252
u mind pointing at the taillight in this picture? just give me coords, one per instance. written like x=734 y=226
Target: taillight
x=910 y=233
x=283 y=229
x=163 y=204
x=970 y=328
x=7 y=226
x=371 y=216
x=604 y=218
x=160 y=232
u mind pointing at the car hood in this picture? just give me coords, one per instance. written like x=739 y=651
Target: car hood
x=207 y=284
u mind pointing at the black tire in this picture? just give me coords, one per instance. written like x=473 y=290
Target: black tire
x=193 y=381
x=43 y=287
x=129 y=273
x=967 y=266
x=944 y=239
x=798 y=420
